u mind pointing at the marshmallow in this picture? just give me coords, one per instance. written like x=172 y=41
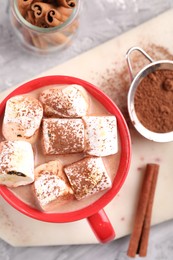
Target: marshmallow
x=51 y=186
x=62 y=136
x=22 y=118
x=87 y=177
x=70 y=101
x=100 y=135
x=16 y=163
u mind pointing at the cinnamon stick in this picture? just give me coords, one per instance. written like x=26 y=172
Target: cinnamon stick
x=65 y=11
x=67 y=3
x=38 y=42
x=53 y=18
x=150 y=172
x=23 y=6
x=147 y=222
x=56 y=38
x=40 y=9
x=30 y=17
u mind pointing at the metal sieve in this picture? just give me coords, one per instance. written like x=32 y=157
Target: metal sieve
x=135 y=81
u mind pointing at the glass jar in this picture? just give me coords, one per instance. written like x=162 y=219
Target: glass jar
x=40 y=39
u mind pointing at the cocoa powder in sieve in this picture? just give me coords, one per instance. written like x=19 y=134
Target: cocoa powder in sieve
x=115 y=80
x=153 y=101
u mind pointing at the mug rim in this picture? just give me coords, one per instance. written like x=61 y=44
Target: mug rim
x=124 y=162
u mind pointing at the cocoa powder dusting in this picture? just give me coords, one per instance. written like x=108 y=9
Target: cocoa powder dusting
x=115 y=81
x=154 y=101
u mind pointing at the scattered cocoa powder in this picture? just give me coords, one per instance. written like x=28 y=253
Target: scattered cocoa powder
x=154 y=101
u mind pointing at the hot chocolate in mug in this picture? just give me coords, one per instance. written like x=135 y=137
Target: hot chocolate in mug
x=92 y=210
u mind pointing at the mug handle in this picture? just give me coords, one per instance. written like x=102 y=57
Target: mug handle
x=101 y=226
x=129 y=62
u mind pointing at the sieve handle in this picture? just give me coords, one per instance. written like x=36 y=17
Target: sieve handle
x=129 y=62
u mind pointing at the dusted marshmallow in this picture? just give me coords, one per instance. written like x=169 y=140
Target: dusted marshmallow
x=100 y=135
x=16 y=163
x=87 y=177
x=51 y=186
x=70 y=101
x=63 y=136
x=22 y=118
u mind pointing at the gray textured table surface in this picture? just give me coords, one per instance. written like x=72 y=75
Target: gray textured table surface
x=101 y=20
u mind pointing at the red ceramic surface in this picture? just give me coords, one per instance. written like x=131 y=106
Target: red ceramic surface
x=94 y=213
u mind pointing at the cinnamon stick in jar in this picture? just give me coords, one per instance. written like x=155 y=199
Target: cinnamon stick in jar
x=38 y=41
x=39 y=11
x=30 y=17
x=56 y=38
x=40 y=8
x=65 y=13
x=66 y=3
x=53 y=18
x=23 y=6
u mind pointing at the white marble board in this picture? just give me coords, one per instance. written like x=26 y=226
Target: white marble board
x=19 y=230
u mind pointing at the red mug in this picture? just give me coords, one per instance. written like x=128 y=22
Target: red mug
x=94 y=213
